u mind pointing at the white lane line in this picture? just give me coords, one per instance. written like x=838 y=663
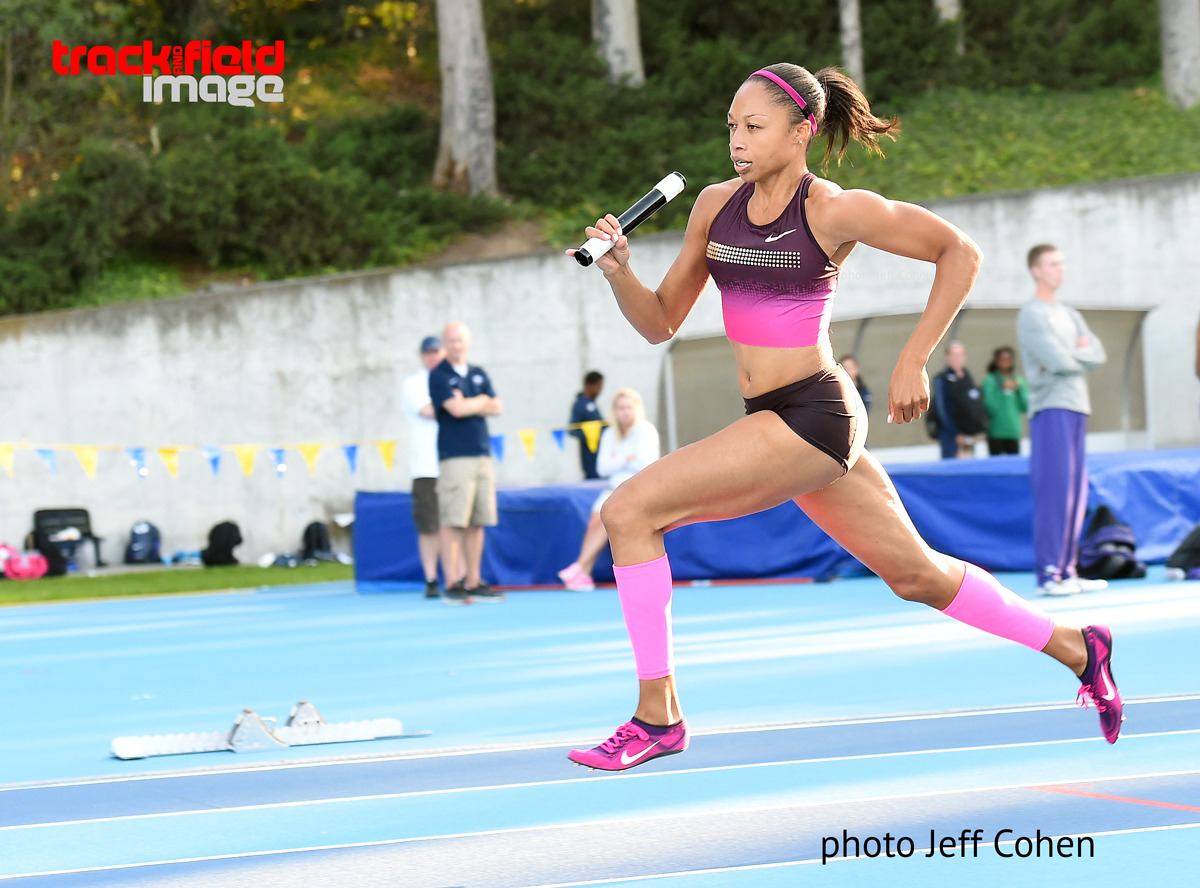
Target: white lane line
x=566 y=781
x=565 y=826
x=373 y=758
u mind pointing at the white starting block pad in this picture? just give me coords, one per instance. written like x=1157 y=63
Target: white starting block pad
x=253 y=733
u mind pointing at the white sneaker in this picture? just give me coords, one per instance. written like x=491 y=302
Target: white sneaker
x=1060 y=587
x=1088 y=585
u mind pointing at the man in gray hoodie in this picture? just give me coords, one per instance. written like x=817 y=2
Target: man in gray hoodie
x=1058 y=349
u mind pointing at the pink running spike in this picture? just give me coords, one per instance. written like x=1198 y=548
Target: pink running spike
x=634 y=743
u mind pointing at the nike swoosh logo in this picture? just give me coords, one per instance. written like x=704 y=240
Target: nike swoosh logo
x=775 y=237
x=627 y=759
x=1112 y=692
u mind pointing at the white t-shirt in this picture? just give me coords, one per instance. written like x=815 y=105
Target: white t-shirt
x=618 y=459
x=422 y=431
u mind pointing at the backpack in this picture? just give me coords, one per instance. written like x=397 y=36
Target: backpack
x=315 y=542
x=1186 y=558
x=933 y=426
x=22 y=565
x=144 y=543
x=1108 y=549
x=56 y=561
x=970 y=414
x=221 y=541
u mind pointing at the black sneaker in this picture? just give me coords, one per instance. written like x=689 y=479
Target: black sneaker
x=456 y=594
x=432 y=590
x=483 y=594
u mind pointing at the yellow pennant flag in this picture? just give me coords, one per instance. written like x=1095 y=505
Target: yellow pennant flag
x=170 y=458
x=591 y=433
x=246 y=454
x=387 y=449
x=87 y=458
x=6 y=458
x=529 y=440
x=309 y=452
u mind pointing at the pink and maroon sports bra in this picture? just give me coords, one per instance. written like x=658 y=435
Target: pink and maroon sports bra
x=777 y=285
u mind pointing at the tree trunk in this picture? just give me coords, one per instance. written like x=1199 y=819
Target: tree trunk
x=615 y=32
x=951 y=11
x=852 y=51
x=467 y=151
x=1181 y=50
x=6 y=120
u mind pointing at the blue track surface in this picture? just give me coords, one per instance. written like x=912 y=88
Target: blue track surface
x=817 y=709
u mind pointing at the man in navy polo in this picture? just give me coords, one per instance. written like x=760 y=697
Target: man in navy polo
x=463 y=397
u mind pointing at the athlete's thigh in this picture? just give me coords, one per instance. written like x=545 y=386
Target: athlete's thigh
x=754 y=464
x=863 y=513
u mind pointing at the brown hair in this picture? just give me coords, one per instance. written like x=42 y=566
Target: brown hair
x=837 y=105
x=1035 y=254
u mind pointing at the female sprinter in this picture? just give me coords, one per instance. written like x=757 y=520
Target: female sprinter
x=774 y=238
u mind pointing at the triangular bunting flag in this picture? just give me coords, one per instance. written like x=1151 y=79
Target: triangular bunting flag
x=528 y=440
x=498 y=447
x=6 y=458
x=591 y=433
x=48 y=457
x=213 y=455
x=310 y=453
x=137 y=459
x=387 y=449
x=277 y=457
x=351 y=451
x=87 y=458
x=560 y=437
x=246 y=454
x=170 y=459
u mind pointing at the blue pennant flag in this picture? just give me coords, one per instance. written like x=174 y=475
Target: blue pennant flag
x=277 y=457
x=48 y=457
x=560 y=437
x=498 y=447
x=351 y=451
x=213 y=455
x=137 y=459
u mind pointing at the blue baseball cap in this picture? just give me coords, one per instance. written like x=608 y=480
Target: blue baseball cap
x=430 y=344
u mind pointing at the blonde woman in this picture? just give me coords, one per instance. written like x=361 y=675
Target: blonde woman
x=626 y=447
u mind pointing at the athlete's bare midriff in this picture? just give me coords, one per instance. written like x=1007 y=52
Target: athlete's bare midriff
x=762 y=370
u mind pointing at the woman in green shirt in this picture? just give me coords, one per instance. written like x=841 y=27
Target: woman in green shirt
x=1006 y=399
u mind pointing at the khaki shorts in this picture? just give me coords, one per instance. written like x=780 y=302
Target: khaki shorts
x=467 y=492
x=425 y=505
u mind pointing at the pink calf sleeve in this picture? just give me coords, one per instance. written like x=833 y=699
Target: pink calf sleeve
x=645 y=592
x=983 y=603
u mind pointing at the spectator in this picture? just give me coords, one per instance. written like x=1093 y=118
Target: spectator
x=1006 y=397
x=423 y=459
x=585 y=410
x=463 y=397
x=958 y=404
x=850 y=365
x=625 y=449
x=1057 y=349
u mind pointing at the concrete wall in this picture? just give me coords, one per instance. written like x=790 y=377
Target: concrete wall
x=321 y=360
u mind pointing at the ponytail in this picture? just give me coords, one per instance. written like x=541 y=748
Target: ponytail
x=830 y=102
x=848 y=116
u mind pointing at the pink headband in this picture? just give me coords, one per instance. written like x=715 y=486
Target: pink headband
x=783 y=84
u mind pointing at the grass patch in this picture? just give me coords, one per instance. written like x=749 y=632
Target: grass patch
x=168 y=581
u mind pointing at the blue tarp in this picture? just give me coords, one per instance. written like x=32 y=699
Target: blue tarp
x=979 y=510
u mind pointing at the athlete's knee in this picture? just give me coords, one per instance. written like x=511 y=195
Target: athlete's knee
x=624 y=513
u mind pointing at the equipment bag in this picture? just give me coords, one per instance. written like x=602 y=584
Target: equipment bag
x=1186 y=558
x=221 y=542
x=1108 y=550
x=144 y=544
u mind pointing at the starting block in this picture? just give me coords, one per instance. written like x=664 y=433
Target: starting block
x=253 y=733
